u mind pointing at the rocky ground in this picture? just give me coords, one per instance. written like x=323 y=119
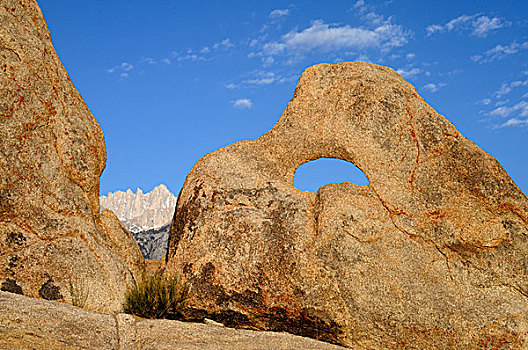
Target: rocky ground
x=27 y=323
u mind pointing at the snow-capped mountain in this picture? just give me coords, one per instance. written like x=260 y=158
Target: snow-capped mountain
x=147 y=216
x=140 y=212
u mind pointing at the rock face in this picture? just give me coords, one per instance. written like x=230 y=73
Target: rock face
x=431 y=254
x=39 y=324
x=52 y=153
x=141 y=212
x=153 y=242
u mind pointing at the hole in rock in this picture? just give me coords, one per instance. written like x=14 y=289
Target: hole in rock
x=315 y=174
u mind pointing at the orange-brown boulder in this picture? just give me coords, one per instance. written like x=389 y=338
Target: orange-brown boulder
x=431 y=254
x=52 y=153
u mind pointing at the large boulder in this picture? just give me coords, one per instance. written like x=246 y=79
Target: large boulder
x=52 y=153
x=431 y=254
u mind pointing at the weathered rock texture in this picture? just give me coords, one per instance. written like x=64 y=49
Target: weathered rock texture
x=52 y=153
x=431 y=254
x=38 y=324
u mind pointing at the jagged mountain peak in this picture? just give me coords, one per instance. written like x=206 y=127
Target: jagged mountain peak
x=141 y=211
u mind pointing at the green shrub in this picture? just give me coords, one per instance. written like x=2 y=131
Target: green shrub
x=156 y=296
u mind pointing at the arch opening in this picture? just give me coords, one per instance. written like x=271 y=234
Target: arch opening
x=315 y=174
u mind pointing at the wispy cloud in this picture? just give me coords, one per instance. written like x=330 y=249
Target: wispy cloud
x=225 y=44
x=261 y=78
x=514 y=122
x=187 y=56
x=123 y=68
x=500 y=52
x=409 y=73
x=148 y=60
x=506 y=88
x=478 y=25
x=325 y=37
x=205 y=53
x=277 y=13
x=434 y=87
x=520 y=107
x=368 y=14
x=242 y=103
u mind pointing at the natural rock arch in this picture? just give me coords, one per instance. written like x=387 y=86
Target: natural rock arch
x=431 y=252
x=317 y=173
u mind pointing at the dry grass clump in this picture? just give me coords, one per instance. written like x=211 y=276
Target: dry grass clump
x=156 y=296
x=79 y=292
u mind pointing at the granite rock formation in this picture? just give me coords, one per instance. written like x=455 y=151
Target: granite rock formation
x=52 y=153
x=139 y=211
x=430 y=254
x=153 y=242
x=40 y=324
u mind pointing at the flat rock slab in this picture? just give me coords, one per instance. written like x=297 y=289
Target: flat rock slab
x=27 y=323
x=430 y=254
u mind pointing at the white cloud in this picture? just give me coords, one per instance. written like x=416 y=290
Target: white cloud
x=514 y=122
x=324 y=37
x=409 y=73
x=124 y=75
x=191 y=57
x=204 y=54
x=266 y=78
x=368 y=15
x=499 y=52
x=243 y=103
x=506 y=88
x=123 y=67
x=484 y=24
x=521 y=108
x=279 y=13
x=478 y=25
x=266 y=61
x=148 y=60
x=410 y=56
x=261 y=78
x=433 y=28
x=224 y=44
x=434 y=87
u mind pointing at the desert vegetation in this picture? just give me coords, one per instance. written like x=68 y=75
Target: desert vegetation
x=156 y=296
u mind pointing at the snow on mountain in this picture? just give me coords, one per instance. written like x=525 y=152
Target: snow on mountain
x=139 y=211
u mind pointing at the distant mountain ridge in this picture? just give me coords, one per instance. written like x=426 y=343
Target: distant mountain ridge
x=146 y=215
x=139 y=211
x=153 y=242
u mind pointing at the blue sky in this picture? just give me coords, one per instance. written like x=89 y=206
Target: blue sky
x=170 y=81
